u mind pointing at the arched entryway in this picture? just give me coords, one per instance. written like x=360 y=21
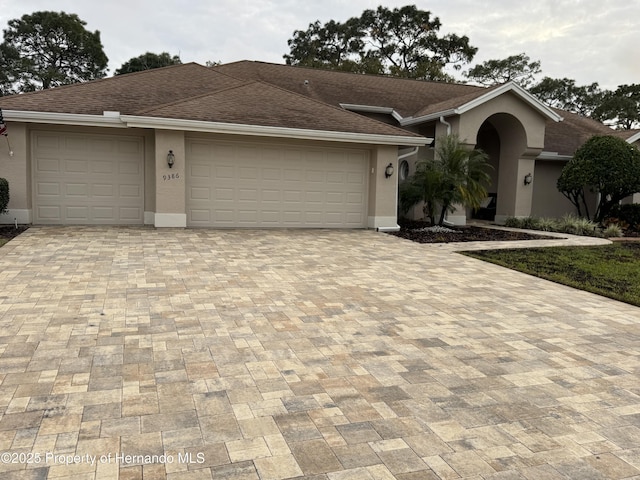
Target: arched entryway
x=503 y=137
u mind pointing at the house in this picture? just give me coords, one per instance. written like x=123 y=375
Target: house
x=252 y=144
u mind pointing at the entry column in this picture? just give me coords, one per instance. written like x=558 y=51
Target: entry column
x=170 y=180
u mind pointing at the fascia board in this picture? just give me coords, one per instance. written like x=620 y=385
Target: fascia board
x=553 y=156
x=265 y=131
x=476 y=102
x=108 y=120
x=408 y=121
x=519 y=91
x=633 y=138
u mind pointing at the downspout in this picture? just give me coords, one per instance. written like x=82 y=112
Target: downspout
x=405 y=155
x=444 y=122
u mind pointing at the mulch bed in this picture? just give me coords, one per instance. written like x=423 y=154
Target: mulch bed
x=7 y=232
x=411 y=230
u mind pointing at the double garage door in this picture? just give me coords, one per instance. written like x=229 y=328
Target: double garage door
x=88 y=179
x=262 y=185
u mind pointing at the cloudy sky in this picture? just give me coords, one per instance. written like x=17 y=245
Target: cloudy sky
x=586 y=40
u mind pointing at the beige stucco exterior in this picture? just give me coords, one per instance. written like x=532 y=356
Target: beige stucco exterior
x=164 y=187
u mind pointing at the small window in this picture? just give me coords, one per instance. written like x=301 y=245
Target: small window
x=404 y=170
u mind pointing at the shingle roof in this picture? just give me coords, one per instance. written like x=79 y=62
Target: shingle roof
x=406 y=96
x=565 y=137
x=257 y=103
x=194 y=92
x=126 y=94
x=266 y=94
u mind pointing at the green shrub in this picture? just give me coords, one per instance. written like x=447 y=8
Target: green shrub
x=574 y=225
x=627 y=215
x=513 y=222
x=612 y=230
x=532 y=223
x=4 y=195
x=548 y=224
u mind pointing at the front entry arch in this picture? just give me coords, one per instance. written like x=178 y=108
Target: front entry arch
x=503 y=137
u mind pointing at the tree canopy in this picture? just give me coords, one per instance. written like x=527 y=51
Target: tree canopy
x=605 y=165
x=620 y=108
x=148 y=61
x=403 y=42
x=518 y=68
x=563 y=93
x=47 y=49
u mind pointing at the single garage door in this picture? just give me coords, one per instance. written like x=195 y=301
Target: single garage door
x=261 y=185
x=88 y=179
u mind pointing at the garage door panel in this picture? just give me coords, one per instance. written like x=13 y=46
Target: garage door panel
x=76 y=166
x=77 y=213
x=224 y=171
x=103 y=213
x=271 y=196
x=262 y=185
x=129 y=168
x=76 y=189
x=88 y=179
x=199 y=171
x=75 y=143
x=130 y=213
x=48 y=188
x=50 y=213
x=50 y=165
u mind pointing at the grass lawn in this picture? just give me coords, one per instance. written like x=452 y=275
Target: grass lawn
x=609 y=270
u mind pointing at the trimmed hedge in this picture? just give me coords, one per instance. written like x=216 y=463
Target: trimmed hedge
x=4 y=195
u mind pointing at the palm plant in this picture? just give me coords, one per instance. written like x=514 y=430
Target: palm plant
x=465 y=174
x=456 y=176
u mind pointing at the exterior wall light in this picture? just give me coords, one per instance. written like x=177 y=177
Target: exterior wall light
x=388 y=171
x=528 y=178
x=171 y=159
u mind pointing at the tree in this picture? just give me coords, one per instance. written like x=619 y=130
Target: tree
x=457 y=175
x=605 y=165
x=517 y=68
x=402 y=42
x=148 y=61
x=48 y=49
x=563 y=93
x=620 y=108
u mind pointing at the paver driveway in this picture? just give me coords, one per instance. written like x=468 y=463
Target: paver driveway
x=318 y=354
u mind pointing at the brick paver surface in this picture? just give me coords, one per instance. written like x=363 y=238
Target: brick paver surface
x=192 y=354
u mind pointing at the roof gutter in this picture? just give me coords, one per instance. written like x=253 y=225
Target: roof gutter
x=427 y=118
x=108 y=119
x=372 y=109
x=265 y=131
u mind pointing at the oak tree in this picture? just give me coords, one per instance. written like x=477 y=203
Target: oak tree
x=402 y=42
x=47 y=49
x=148 y=61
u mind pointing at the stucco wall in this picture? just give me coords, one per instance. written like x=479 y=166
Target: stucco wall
x=16 y=169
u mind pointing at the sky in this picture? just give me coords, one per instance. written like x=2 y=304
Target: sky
x=585 y=40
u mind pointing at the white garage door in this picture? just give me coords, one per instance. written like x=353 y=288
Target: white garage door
x=260 y=185
x=88 y=179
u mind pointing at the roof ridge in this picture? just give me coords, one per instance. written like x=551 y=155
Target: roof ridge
x=374 y=75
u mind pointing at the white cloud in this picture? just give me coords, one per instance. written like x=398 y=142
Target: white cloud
x=587 y=40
